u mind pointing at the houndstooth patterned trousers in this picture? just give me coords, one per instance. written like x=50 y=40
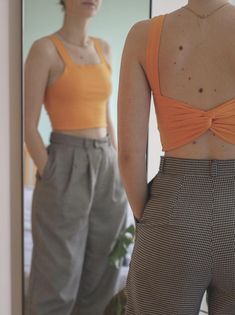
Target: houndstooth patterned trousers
x=185 y=241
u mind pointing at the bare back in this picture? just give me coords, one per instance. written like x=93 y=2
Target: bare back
x=197 y=66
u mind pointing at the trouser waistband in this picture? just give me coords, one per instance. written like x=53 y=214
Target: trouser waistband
x=59 y=138
x=203 y=167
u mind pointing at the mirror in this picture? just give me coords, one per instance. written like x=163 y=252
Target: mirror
x=75 y=272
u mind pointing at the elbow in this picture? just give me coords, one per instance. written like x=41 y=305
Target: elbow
x=29 y=131
x=126 y=160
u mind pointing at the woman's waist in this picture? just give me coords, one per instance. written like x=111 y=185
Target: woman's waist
x=80 y=140
x=88 y=133
x=183 y=166
x=77 y=121
x=207 y=146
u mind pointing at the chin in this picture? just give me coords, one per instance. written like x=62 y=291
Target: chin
x=89 y=12
x=88 y=8
x=87 y=15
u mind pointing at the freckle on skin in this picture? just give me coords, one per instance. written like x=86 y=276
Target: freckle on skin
x=215 y=90
x=200 y=90
x=180 y=47
x=189 y=78
x=175 y=63
x=182 y=69
x=194 y=142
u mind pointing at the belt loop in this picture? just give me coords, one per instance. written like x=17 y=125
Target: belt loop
x=86 y=143
x=214 y=168
x=109 y=139
x=96 y=144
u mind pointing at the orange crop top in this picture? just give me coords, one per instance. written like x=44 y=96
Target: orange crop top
x=78 y=98
x=179 y=122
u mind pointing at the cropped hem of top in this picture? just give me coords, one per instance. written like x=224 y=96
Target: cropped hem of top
x=78 y=99
x=179 y=122
x=81 y=127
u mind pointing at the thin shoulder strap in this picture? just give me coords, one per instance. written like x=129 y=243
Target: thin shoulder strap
x=61 y=49
x=99 y=50
x=152 y=52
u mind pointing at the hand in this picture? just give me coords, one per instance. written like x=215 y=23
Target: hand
x=138 y=218
x=41 y=169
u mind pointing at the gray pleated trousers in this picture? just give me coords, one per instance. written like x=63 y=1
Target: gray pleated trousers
x=79 y=209
x=185 y=242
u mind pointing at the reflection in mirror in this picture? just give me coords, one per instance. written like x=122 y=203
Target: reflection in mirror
x=77 y=221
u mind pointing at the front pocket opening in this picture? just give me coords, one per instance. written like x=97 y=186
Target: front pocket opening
x=45 y=175
x=177 y=197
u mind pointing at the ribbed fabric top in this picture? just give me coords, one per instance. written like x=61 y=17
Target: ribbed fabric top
x=178 y=122
x=78 y=98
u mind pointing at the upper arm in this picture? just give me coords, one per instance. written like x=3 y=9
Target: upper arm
x=36 y=72
x=134 y=93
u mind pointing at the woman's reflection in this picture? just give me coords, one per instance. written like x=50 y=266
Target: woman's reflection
x=79 y=203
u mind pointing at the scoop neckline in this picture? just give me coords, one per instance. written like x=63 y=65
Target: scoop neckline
x=81 y=65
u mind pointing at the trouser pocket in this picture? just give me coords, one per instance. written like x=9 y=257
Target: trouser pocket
x=48 y=168
x=164 y=195
x=149 y=185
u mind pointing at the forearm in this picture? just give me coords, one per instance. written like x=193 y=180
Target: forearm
x=133 y=172
x=111 y=132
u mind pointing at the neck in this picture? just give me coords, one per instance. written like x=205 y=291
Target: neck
x=202 y=6
x=74 y=29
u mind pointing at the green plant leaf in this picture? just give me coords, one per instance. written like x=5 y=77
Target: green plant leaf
x=120 y=249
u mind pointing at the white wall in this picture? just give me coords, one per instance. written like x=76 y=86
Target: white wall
x=10 y=170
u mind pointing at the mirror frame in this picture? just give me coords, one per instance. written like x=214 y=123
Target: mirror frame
x=19 y=290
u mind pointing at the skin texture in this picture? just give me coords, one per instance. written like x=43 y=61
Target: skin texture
x=196 y=65
x=44 y=65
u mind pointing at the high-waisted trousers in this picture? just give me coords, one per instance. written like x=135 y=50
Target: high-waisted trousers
x=79 y=209
x=185 y=241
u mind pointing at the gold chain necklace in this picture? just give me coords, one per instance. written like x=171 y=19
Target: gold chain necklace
x=203 y=16
x=84 y=45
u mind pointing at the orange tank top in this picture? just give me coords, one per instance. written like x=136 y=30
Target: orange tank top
x=78 y=98
x=178 y=122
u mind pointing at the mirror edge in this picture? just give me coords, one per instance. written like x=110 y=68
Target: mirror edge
x=19 y=290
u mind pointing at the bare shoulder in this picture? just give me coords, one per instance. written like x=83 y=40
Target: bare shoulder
x=138 y=32
x=42 y=48
x=107 y=50
x=136 y=41
x=105 y=45
x=229 y=19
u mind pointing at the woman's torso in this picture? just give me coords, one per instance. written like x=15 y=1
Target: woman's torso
x=197 y=66
x=80 y=56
